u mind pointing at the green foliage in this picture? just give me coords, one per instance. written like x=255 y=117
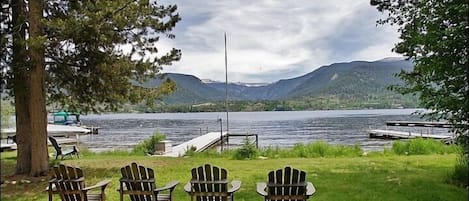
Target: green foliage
x=323 y=149
x=97 y=51
x=191 y=151
x=434 y=36
x=247 y=151
x=312 y=150
x=119 y=152
x=383 y=100
x=97 y=54
x=272 y=152
x=211 y=153
x=421 y=146
x=383 y=178
x=108 y=74
x=7 y=111
x=461 y=170
x=148 y=145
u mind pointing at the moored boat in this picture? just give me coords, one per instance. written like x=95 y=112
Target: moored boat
x=71 y=119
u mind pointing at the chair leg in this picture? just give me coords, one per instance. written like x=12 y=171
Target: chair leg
x=50 y=194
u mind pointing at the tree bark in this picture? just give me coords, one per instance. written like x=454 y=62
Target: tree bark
x=20 y=89
x=37 y=102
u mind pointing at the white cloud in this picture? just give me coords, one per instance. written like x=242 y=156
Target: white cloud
x=270 y=40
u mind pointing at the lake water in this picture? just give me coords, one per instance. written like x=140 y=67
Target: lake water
x=279 y=128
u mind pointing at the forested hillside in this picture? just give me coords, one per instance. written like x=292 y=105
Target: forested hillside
x=357 y=84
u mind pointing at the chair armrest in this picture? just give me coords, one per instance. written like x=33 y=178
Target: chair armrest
x=135 y=181
x=81 y=179
x=51 y=186
x=261 y=186
x=101 y=184
x=170 y=186
x=310 y=190
x=235 y=186
x=188 y=187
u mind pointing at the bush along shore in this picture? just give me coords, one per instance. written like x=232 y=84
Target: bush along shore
x=410 y=170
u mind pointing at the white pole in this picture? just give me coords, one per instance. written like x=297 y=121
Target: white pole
x=226 y=87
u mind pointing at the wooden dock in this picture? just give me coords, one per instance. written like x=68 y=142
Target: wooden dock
x=420 y=124
x=200 y=143
x=390 y=134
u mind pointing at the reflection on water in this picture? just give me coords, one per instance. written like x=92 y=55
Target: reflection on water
x=283 y=129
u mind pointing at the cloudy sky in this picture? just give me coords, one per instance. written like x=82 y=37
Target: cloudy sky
x=268 y=40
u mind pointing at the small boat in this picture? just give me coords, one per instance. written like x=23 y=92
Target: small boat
x=71 y=119
x=66 y=118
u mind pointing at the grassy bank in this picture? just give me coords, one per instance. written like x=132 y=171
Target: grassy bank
x=373 y=177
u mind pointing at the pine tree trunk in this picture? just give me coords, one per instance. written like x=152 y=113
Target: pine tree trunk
x=37 y=106
x=23 y=132
x=21 y=91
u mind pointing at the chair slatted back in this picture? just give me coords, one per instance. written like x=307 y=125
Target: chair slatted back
x=287 y=184
x=69 y=182
x=138 y=182
x=56 y=146
x=209 y=183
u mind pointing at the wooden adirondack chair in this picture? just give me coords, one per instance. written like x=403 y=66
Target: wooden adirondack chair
x=139 y=183
x=69 y=183
x=286 y=184
x=210 y=183
x=63 y=153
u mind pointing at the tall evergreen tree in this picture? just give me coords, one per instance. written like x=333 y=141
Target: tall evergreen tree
x=82 y=56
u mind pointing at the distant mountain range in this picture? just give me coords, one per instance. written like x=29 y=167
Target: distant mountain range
x=356 y=80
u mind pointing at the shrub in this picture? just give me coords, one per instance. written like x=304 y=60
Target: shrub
x=271 y=152
x=421 y=146
x=400 y=148
x=323 y=149
x=319 y=148
x=148 y=145
x=191 y=151
x=460 y=174
x=312 y=150
x=341 y=150
x=247 y=151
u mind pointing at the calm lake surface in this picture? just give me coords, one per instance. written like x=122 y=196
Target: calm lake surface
x=279 y=128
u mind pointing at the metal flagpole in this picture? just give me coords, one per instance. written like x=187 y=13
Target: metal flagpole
x=226 y=91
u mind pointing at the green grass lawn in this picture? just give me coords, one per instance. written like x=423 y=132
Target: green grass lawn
x=373 y=177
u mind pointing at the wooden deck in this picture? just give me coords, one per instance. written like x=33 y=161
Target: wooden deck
x=63 y=135
x=9 y=145
x=390 y=134
x=200 y=143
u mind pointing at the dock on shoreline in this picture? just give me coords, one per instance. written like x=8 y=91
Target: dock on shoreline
x=197 y=144
x=392 y=134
